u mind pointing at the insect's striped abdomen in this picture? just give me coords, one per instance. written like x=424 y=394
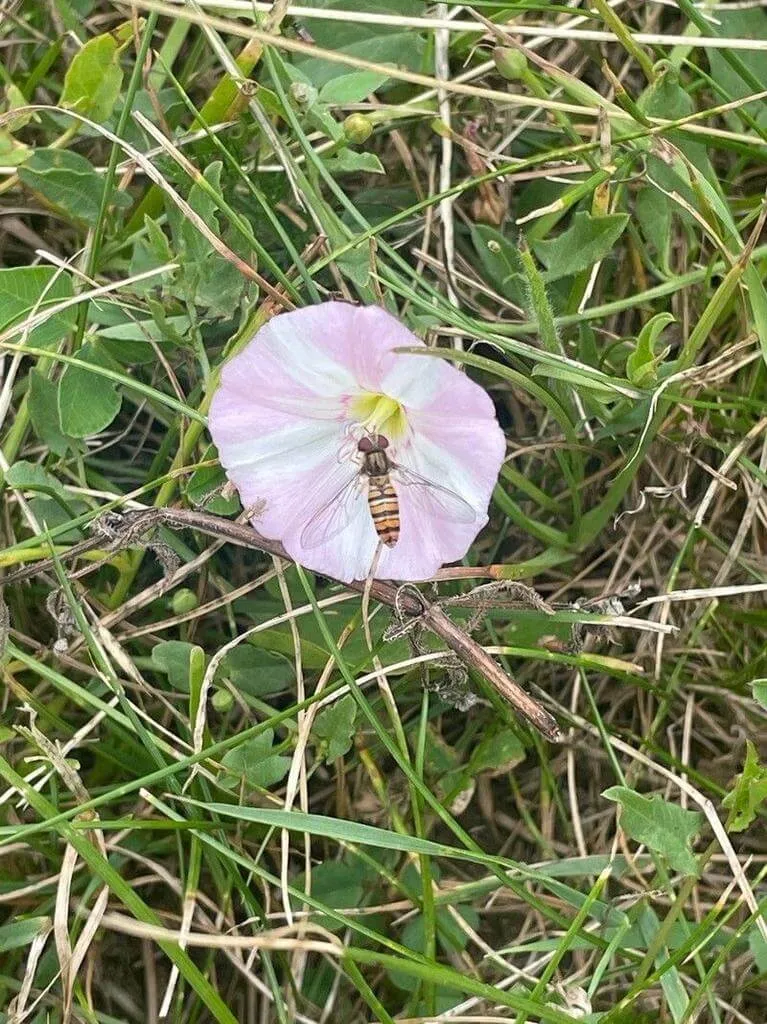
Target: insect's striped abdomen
x=384 y=508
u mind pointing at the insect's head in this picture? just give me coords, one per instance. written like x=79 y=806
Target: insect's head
x=372 y=443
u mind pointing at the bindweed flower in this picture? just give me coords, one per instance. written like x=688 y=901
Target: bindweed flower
x=343 y=443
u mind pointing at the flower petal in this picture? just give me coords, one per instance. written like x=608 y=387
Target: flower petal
x=281 y=420
x=460 y=452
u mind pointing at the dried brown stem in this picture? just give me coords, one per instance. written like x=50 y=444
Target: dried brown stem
x=132 y=525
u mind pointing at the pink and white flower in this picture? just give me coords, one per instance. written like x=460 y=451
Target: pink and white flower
x=291 y=409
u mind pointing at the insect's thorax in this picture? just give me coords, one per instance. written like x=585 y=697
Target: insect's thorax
x=376 y=463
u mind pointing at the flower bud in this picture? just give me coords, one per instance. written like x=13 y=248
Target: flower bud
x=512 y=64
x=222 y=701
x=358 y=128
x=184 y=600
x=302 y=94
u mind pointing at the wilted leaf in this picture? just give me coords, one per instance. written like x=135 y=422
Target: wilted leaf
x=12 y=152
x=748 y=792
x=664 y=827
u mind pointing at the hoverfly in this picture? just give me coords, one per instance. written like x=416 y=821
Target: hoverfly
x=381 y=478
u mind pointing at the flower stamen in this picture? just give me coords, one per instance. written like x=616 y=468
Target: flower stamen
x=379 y=414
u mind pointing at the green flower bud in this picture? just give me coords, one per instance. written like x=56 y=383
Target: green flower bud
x=512 y=64
x=665 y=69
x=302 y=94
x=358 y=128
x=184 y=600
x=222 y=701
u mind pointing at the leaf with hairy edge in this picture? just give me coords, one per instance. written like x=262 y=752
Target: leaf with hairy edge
x=664 y=827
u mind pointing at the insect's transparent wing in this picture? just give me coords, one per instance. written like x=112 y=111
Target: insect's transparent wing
x=329 y=520
x=433 y=498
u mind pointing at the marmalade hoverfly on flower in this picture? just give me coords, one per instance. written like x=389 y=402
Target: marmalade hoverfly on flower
x=381 y=478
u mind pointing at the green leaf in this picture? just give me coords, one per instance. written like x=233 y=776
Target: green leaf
x=351 y=88
x=653 y=211
x=65 y=182
x=30 y=476
x=758 y=948
x=130 y=342
x=255 y=762
x=257 y=672
x=664 y=827
x=452 y=938
x=177 y=659
x=642 y=364
x=747 y=24
x=12 y=152
x=340 y=884
x=44 y=413
x=204 y=484
x=748 y=792
x=500 y=259
x=27 y=289
x=93 y=79
x=587 y=240
x=499 y=752
x=88 y=402
x=20 y=933
x=349 y=161
x=50 y=504
x=666 y=97
x=382 y=45
x=210 y=280
x=759 y=690
x=334 y=727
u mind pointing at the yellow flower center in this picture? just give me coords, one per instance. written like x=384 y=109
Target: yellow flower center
x=379 y=414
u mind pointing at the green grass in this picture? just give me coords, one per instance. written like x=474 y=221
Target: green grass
x=218 y=799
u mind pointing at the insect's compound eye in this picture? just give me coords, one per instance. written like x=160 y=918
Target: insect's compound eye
x=365 y=445
x=382 y=442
